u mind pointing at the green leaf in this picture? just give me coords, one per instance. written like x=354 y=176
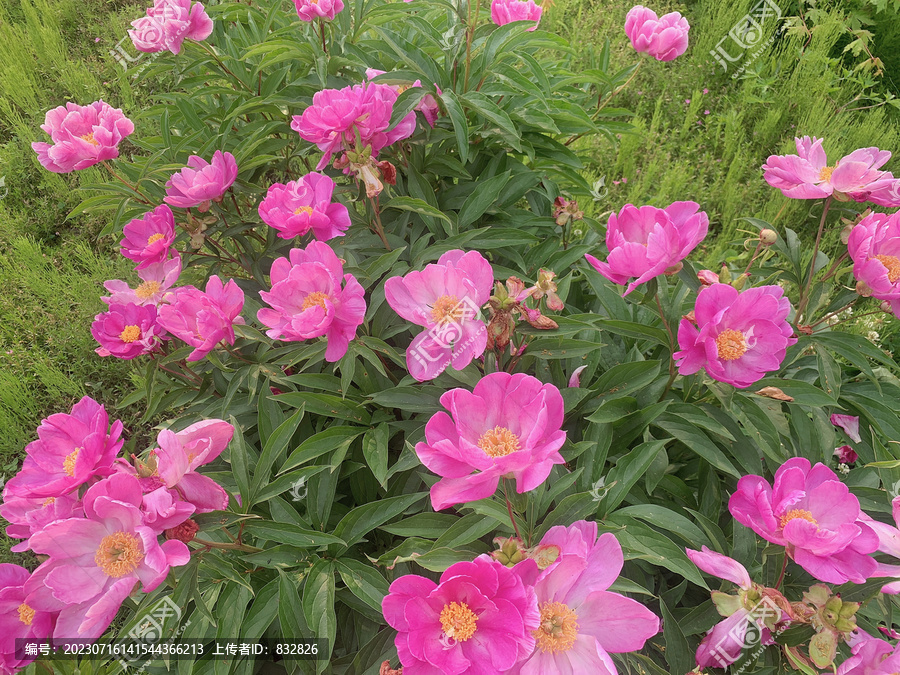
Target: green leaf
x=696 y=440
x=326 y=405
x=332 y=438
x=485 y=193
x=318 y=606
x=363 y=519
x=285 y=533
x=627 y=471
x=364 y=581
x=460 y=125
x=276 y=445
x=375 y=450
x=419 y=206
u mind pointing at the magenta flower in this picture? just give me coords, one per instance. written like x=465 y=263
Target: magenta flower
x=888 y=542
x=479 y=618
x=168 y=24
x=27 y=515
x=507 y=11
x=872 y=657
x=303 y=205
x=128 y=331
x=845 y=455
x=71 y=450
x=163 y=510
x=814 y=516
x=874 y=246
x=856 y=176
x=645 y=242
x=201 y=182
x=337 y=117
x=150 y=239
x=508 y=426
x=581 y=622
x=446 y=298
x=738 y=337
x=310 y=10
x=97 y=560
x=156 y=280
x=850 y=425
x=307 y=300
x=82 y=136
x=428 y=106
x=665 y=38
x=204 y=319
x=18 y=620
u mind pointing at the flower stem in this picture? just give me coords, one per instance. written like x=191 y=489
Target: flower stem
x=379 y=228
x=783 y=570
x=510 y=508
x=125 y=182
x=812 y=266
x=672 y=372
x=322 y=33
x=228 y=547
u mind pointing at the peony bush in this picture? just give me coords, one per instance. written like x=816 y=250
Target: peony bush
x=413 y=399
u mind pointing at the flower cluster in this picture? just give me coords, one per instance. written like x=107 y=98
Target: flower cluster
x=168 y=24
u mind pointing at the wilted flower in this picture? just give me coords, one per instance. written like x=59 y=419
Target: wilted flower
x=168 y=24
x=810 y=512
x=664 y=38
x=310 y=10
x=856 y=176
x=156 y=280
x=201 y=182
x=738 y=337
x=128 y=331
x=832 y=618
x=850 y=425
x=644 y=242
x=708 y=277
x=565 y=211
x=479 y=618
x=507 y=11
x=82 y=136
x=545 y=286
x=305 y=205
x=150 y=238
x=508 y=426
x=308 y=301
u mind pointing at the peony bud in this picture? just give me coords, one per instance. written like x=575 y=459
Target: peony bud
x=708 y=277
x=768 y=237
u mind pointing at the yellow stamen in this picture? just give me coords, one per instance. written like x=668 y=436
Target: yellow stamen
x=119 y=554
x=826 y=171
x=69 y=462
x=155 y=238
x=458 y=621
x=797 y=513
x=892 y=263
x=303 y=209
x=26 y=614
x=147 y=289
x=89 y=138
x=447 y=308
x=313 y=299
x=51 y=500
x=130 y=334
x=731 y=344
x=559 y=628
x=498 y=442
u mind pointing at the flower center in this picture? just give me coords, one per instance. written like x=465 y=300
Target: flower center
x=558 y=629
x=458 y=621
x=147 y=289
x=69 y=462
x=797 y=513
x=90 y=139
x=52 y=500
x=119 y=554
x=731 y=344
x=155 y=238
x=447 y=308
x=313 y=299
x=26 y=614
x=303 y=209
x=498 y=442
x=892 y=263
x=826 y=171
x=130 y=334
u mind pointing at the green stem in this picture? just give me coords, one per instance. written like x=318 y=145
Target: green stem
x=783 y=570
x=812 y=266
x=510 y=508
x=125 y=182
x=227 y=547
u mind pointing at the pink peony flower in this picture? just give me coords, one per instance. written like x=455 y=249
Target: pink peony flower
x=738 y=337
x=856 y=176
x=310 y=10
x=201 y=182
x=874 y=246
x=97 y=560
x=850 y=425
x=888 y=542
x=845 y=455
x=18 y=620
x=164 y=510
x=204 y=319
x=128 y=331
x=872 y=657
x=428 y=106
x=581 y=622
x=150 y=239
x=27 y=515
x=645 y=242
x=508 y=426
x=307 y=300
x=156 y=278
x=507 y=11
x=82 y=136
x=303 y=205
x=479 y=618
x=337 y=117
x=814 y=516
x=168 y=24
x=71 y=450
x=665 y=38
x=446 y=298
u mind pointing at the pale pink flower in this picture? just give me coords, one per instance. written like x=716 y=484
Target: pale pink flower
x=664 y=38
x=18 y=620
x=305 y=205
x=168 y=24
x=82 y=136
x=310 y=10
x=201 y=182
x=507 y=11
x=156 y=280
x=874 y=247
